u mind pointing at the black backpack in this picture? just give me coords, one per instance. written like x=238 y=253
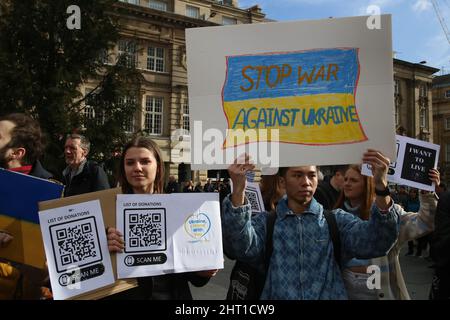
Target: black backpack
x=247 y=282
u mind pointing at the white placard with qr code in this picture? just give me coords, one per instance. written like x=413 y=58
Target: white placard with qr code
x=169 y=233
x=76 y=249
x=254 y=196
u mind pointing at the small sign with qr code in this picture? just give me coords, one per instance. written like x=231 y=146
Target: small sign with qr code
x=76 y=249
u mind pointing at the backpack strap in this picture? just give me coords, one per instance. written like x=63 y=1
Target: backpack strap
x=270 y=222
x=334 y=234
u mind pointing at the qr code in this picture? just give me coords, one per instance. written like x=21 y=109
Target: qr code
x=145 y=230
x=252 y=197
x=75 y=243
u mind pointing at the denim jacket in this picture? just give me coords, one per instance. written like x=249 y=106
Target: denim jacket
x=302 y=264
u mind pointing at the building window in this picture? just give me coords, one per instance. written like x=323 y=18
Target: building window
x=128 y=49
x=396 y=87
x=130 y=1
x=397 y=113
x=193 y=12
x=89 y=111
x=227 y=21
x=155 y=59
x=447 y=94
x=423 y=91
x=185 y=108
x=129 y=123
x=423 y=117
x=158 y=5
x=447 y=123
x=153 y=115
x=103 y=56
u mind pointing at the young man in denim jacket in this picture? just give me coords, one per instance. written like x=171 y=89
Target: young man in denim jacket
x=302 y=264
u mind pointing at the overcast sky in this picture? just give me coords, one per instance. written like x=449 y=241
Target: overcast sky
x=417 y=33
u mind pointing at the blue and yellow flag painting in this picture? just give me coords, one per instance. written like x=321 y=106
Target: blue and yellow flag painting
x=309 y=96
x=19 y=197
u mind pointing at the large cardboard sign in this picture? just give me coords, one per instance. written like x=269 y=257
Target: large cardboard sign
x=19 y=197
x=415 y=158
x=253 y=194
x=309 y=88
x=169 y=234
x=107 y=200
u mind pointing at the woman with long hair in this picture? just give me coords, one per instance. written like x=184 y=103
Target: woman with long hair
x=142 y=172
x=271 y=191
x=357 y=197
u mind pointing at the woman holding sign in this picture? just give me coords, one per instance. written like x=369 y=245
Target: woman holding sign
x=142 y=172
x=381 y=278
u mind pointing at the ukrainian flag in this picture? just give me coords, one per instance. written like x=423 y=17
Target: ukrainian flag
x=19 y=197
x=309 y=96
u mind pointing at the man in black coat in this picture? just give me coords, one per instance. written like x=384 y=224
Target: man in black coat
x=440 y=249
x=81 y=175
x=21 y=145
x=328 y=190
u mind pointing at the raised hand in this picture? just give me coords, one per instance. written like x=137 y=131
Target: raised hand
x=379 y=165
x=5 y=238
x=115 y=241
x=237 y=173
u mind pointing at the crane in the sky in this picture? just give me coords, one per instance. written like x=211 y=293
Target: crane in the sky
x=441 y=19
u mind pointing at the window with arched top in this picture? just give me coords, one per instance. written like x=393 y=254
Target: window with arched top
x=423 y=91
x=153 y=120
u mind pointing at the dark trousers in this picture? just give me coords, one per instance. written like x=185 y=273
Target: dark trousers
x=422 y=244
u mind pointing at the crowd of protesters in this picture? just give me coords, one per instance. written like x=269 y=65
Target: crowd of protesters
x=325 y=234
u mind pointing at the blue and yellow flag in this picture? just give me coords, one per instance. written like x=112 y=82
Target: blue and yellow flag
x=19 y=197
x=309 y=96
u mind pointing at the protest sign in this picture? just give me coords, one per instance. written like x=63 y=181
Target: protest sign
x=76 y=249
x=414 y=160
x=19 y=197
x=288 y=102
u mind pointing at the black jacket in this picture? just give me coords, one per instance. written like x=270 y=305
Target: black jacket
x=326 y=195
x=91 y=178
x=440 y=244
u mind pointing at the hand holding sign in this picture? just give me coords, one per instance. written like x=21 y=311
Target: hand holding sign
x=435 y=177
x=5 y=238
x=207 y=273
x=115 y=240
x=237 y=172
